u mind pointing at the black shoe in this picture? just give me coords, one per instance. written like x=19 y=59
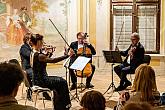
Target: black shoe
x=119 y=88
x=29 y=94
x=73 y=86
x=89 y=85
x=126 y=84
x=46 y=95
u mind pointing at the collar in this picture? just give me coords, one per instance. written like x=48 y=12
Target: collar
x=7 y=99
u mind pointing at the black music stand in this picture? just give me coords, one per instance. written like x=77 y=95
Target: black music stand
x=112 y=57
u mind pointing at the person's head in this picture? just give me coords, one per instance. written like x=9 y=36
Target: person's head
x=93 y=100
x=15 y=11
x=137 y=106
x=145 y=81
x=26 y=38
x=80 y=37
x=11 y=76
x=14 y=61
x=23 y=8
x=37 y=41
x=135 y=38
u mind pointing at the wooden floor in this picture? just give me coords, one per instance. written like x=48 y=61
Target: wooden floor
x=101 y=81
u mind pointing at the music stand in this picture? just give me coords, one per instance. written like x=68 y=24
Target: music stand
x=112 y=57
x=79 y=64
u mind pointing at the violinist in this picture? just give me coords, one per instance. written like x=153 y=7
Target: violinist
x=24 y=52
x=75 y=47
x=134 y=57
x=57 y=84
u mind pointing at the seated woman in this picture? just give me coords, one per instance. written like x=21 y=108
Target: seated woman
x=40 y=77
x=93 y=100
x=144 y=87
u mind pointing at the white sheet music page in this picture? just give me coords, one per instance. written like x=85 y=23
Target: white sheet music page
x=80 y=63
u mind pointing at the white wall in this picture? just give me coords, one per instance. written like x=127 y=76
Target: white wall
x=102 y=26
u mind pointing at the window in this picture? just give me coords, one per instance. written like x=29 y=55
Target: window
x=142 y=16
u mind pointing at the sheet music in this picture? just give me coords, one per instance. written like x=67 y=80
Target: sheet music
x=80 y=63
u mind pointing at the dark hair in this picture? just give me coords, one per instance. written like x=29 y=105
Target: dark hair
x=14 y=61
x=35 y=37
x=11 y=75
x=26 y=37
x=23 y=8
x=93 y=100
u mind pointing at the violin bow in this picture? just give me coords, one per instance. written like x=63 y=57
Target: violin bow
x=59 y=32
x=120 y=34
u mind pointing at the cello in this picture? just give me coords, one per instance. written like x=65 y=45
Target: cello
x=85 y=51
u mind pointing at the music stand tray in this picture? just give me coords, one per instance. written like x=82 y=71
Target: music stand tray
x=112 y=57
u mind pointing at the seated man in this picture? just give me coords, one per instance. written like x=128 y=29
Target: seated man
x=11 y=77
x=134 y=57
x=77 y=46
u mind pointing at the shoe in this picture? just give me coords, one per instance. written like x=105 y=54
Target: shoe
x=29 y=94
x=73 y=86
x=89 y=85
x=126 y=84
x=46 y=95
x=119 y=88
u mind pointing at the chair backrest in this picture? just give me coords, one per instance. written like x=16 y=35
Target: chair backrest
x=147 y=59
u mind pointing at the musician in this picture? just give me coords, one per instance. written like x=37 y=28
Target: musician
x=75 y=46
x=57 y=84
x=134 y=57
x=24 y=52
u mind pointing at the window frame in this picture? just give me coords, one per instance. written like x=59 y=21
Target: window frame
x=135 y=5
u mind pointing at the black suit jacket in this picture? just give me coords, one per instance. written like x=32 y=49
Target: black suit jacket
x=138 y=56
x=74 y=46
x=25 y=52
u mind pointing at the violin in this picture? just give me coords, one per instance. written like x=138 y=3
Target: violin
x=48 y=50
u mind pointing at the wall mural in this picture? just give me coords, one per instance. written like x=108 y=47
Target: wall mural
x=17 y=22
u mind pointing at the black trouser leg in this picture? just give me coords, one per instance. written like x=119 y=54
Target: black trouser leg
x=88 y=80
x=62 y=98
x=124 y=73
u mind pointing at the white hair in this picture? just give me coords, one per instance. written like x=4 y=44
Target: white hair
x=135 y=34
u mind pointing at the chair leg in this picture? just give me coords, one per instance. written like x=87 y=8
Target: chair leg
x=43 y=102
x=22 y=89
x=36 y=99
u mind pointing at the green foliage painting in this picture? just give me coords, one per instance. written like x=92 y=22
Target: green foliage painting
x=2 y=8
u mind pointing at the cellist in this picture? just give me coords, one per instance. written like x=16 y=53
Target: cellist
x=78 y=48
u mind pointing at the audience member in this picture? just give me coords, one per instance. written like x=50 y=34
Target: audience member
x=11 y=77
x=93 y=100
x=144 y=87
x=137 y=106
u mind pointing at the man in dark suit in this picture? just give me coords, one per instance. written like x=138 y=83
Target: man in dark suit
x=75 y=46
x=25 y=52
x=134 y=57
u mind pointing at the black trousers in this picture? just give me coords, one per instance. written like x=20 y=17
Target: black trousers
x=122 y=70
x=61 y=92
x=74 y=77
